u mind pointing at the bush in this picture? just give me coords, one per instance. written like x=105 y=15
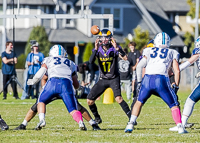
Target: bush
x=87 y=52
x=21 y=60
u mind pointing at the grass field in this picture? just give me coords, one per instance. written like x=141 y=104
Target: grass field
x=153 y=123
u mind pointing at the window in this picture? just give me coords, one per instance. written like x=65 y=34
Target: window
x=116 y=18
x=45 y=9
x=68 y=9
x=1 y=12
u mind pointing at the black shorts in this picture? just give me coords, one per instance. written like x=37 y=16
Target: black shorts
x=102 y=85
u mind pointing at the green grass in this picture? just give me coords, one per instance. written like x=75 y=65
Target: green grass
x=153 y=124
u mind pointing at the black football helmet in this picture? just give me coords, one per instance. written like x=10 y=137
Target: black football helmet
x=105 y=36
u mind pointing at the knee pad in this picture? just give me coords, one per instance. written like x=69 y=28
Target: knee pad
x=189 y=102
x=34 y=108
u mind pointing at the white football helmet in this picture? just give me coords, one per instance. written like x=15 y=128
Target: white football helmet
x=197 y=42
x=57 y=51
x=162 y=40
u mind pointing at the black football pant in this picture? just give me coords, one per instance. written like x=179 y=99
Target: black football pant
x=6 y=78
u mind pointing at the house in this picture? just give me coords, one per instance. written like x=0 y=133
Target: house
x=150 y=15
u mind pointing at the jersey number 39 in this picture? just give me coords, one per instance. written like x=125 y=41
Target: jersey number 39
x=162 y=54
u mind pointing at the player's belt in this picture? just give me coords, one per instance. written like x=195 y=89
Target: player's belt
x=59 y=77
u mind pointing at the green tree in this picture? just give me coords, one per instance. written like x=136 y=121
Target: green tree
x=189 y=37
x=141 y=38
x=39 y=34
x=21 y=62
x=87 y=52
x=192 y=5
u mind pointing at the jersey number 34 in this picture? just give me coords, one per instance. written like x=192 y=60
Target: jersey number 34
x=58 y=61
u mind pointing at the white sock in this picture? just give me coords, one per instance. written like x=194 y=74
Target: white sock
x=92 y=122
x=25 y=123
x=133 y=119
x=184 y=120
x=41 y=116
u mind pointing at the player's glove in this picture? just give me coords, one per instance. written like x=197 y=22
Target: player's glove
x=175 y=88
x=197 y=75
x=31 y=81
x=138 y=87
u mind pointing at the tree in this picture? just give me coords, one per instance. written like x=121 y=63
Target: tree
x=87 y=52
x=21 y=62
x=189 y=37
x=39 y=34
x=141 y=38
x=192 y=5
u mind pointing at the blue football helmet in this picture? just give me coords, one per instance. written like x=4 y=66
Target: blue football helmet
x=162 y=40
x=197 y=42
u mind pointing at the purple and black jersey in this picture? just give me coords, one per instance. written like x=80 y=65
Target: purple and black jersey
x=108 y=62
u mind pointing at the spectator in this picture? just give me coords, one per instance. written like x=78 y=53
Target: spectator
x=134 y=56
x=125 y=74
x=9 y=60
x=34 y=60
x=89 y=70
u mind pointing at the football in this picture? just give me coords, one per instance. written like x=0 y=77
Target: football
x=95 y=30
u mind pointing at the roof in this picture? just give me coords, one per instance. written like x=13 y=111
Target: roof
x=31 y=2
x=57 y=35
x=174 y=5
x=162 y=21
x=86 y=2
x=21 y=34
x=68 y=36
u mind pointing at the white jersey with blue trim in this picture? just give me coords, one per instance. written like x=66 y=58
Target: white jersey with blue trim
x=59 y=67
x=159 y=60
x=197 y=51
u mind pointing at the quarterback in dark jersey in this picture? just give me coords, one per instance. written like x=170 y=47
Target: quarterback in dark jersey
x=107 y=52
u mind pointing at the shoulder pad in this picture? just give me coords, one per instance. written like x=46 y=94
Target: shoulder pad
x=196 y=51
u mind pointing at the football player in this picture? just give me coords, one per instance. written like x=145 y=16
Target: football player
x=157 y=61
x=107 y=52
x=194 y=96
x=61 y=79
x=33 y=111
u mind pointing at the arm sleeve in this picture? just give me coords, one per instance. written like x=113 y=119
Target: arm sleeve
x=91 y=68
x=139 y=68
x=93 y=56
x=120 y=51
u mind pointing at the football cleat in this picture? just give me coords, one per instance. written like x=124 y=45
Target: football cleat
x=135 y=123
x=20 y=127
x=3 y=125
x=98 y=120
x=181 y=129
x=82 y=126
x=129 y=127
x=188 y=125
x=41 y=124
x=96 y=127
